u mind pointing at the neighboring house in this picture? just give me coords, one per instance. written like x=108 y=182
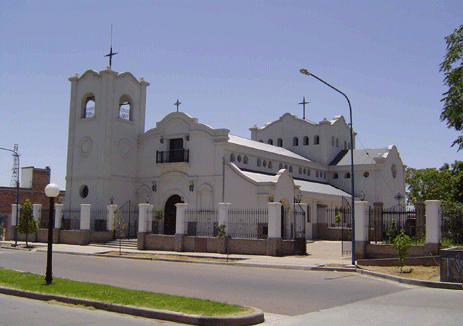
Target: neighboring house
x=32 y=187
x=110 y=155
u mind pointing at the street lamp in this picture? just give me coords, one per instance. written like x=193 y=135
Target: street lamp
x=307 y=73
x=17 y=195
x=52 y=191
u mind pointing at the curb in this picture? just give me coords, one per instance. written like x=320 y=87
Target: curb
x=429 y=284
x=251 y=319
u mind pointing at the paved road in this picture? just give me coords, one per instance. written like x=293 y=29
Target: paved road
x=24 y=312
x=283 y=292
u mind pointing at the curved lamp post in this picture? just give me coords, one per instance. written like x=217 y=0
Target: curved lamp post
x=17 y=195
x=307 y=73
x=52 y=191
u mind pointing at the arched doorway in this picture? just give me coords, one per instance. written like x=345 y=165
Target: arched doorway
x=170 y=214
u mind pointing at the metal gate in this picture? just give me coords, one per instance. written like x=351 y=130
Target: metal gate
x=300 y=243
x=127 y=222
x=346 y=231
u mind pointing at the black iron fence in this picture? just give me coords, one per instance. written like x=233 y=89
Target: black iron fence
x=177 y=155
x=98 y=217
x=248 y=223
x=70 y=220
x=384 y=224
x=201 y=223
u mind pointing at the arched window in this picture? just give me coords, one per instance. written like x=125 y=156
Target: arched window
x=290 y=169
x=305 y=141
x=337 y=142
x=335 y=176
x=232 y=157
x=269 y=164
x=238 y=158
x=348 y=146
x=317 y=174
x=125 y=108
x=280 y=142
x=316 y=140
x=270 y=141
x=264 y=163
x=295 y=141
x=280 y=166
x=300 y=170
x=347 y=176
x=88 y=107
x=308 y=172
x=304 y=171
x=245 y=159
x=286 y=166
x=258 y=162
x=261 y=141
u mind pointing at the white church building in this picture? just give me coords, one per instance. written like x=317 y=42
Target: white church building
x=180 y=160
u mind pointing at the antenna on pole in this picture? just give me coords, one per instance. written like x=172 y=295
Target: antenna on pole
x=111 y=53
x=15 y=169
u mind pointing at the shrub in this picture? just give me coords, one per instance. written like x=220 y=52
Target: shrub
x=392 y=232
x=401 y=243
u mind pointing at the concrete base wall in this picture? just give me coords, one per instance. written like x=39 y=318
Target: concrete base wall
x=102 y=236
x=159 y=242
x=77 y=237
x=409 y=261
x=373 y=251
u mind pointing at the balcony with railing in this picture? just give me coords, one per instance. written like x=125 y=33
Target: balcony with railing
x=173 y=156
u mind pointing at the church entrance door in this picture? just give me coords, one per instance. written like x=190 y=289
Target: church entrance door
x=170 y=214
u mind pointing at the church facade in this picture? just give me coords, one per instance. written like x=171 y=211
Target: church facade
x=112 y=158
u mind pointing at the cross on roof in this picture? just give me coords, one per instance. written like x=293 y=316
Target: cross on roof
x=177 y=104
x=303 y=106
x=111 y=53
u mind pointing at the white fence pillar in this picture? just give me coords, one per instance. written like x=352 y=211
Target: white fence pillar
x=223 y=215
x=180 y=223
x=13 y=214
x=144 y=218
x=111 y=214
x=85 y=216
x=58 y=215
x=361 y=228
x=433 y=222
x=274 y=220
x=37 y=211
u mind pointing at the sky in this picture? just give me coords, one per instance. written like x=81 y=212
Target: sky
x=232 y=64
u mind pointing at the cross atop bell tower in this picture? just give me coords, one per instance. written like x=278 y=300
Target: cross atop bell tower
x=111 y=53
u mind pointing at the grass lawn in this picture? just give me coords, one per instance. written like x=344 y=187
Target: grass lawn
x=115 y=295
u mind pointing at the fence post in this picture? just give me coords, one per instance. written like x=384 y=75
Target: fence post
x=110 y=219
x=274 y=241
x=37 y=212
x=223 y=220
x=85 y=223
x=420 y=209
x=12 y=226
x=144 y=224
x=58 y=214
x=433 y=226
x=180 y=226
x=361 y=228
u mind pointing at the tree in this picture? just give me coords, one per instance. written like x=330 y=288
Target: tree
x=27 y=224
x=401 y=243
x=452 y=113
x=444 y=184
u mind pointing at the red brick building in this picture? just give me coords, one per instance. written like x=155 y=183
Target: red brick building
x=32 y=187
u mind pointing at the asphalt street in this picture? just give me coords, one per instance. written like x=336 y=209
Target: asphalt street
x=285 y=292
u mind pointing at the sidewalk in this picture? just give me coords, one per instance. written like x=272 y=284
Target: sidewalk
x=320 y=253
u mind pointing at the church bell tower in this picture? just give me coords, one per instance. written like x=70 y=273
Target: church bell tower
x=106 y=117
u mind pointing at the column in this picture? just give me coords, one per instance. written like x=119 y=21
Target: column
x=14 y=210
x=37 y=212
x=144 y=218
x=58 y=215
x=274 y=229
x=85 y=216
x=433 y=226
x=361 y=228
x=180 y=226
x=110 y=217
